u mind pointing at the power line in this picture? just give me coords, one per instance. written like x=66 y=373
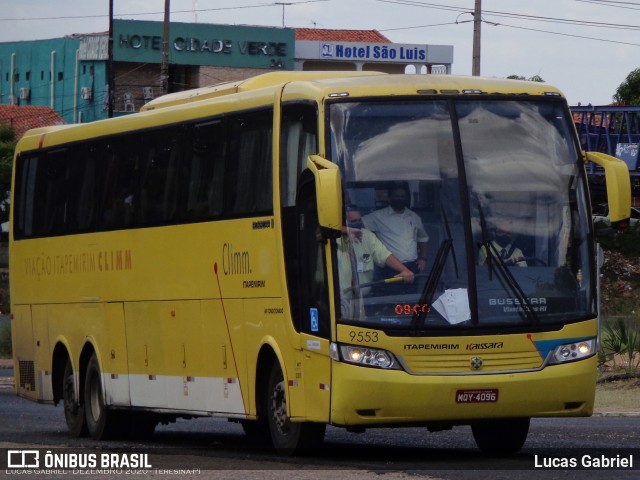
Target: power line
x=75 y=17
x=544 y=19
x=610 y=4
x=582 y=23
x=420 y=26
x=568 y=35
x=70 y=17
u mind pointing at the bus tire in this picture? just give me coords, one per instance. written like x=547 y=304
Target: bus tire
x=287 y=437
x=73 y=408
x=102 y=423
x=501 y=437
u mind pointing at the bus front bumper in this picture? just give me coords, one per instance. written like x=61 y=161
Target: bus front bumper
x=368 y=396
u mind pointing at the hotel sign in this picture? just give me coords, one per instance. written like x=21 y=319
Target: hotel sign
x=398 y=53
x=378 y=52
x=205 y=44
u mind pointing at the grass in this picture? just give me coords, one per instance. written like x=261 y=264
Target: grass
x=619 y=395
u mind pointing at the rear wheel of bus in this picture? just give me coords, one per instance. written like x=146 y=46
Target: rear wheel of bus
x=287 y=437
x=102 y=423
x=501 y=437
x=73 y=408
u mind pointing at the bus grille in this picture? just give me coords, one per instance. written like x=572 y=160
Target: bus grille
x=27 y=375
x=460 y=363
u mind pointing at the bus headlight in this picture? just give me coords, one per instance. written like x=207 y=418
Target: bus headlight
x=364 y=356
x=573 y=351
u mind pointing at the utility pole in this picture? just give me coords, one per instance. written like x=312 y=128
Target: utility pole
x=477 y=22
x=111 y=90
x=164 y=66
x=284 y=4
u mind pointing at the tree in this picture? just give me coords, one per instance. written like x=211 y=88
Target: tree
x=628 y=93
x=535 y=78
x=7 y=149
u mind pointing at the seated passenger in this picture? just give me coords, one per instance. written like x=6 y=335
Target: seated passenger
x=360 y=250
x=401 y=229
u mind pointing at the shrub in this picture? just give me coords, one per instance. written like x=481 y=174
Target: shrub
x=620 y=339
x=626 y=242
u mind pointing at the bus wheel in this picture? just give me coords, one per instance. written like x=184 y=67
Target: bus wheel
x=288 y=437
x=73 y=410
x=501 y=437
x=102 y=423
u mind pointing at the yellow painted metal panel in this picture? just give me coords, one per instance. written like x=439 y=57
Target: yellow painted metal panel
x=365 y=396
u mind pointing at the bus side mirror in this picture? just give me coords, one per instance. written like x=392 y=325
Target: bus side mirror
x=328 y=194
x=618 y=185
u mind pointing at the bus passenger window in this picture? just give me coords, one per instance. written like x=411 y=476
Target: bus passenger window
x=205 y=171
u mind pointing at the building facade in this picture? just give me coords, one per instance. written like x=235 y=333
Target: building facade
x=51 y=73
x=70 y=74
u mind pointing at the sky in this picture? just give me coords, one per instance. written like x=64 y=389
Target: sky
x=584 y=47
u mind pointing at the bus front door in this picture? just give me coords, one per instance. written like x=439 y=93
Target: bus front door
x=314 y=322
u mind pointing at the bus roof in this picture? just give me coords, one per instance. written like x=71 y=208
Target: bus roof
x=260 y=81
x=425 y=84
x=295 y=85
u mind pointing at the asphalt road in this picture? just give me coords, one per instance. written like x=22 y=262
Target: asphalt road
x=219 y=449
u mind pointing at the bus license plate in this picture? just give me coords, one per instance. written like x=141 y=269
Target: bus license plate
x=477 y=396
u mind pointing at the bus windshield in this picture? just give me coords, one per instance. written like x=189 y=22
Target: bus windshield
x=484 y=200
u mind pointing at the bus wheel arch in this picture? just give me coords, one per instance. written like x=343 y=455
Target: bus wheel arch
x=285 y=436
x=267 y=357
x=65 y=389
x=258 y=430
x=102 y=422
x=59 y=360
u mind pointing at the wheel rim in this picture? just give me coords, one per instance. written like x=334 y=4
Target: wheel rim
x=279 y=409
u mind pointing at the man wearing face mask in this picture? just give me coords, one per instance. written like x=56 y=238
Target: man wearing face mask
x=400 y=229
x=360 y=251
x=503 y=244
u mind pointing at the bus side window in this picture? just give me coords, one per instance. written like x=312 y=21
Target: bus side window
x=82 y=189
x=159 y=178
x=50 y=206
x=204 y=171
x=26 y=168
x=117 y=197
x=250 y=166
x=298 y=140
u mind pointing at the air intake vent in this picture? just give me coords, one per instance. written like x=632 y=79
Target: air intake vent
x=27 y=375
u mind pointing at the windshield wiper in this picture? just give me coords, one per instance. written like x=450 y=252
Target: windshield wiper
x=432 y=282
x=504 y=274
x=453 y=250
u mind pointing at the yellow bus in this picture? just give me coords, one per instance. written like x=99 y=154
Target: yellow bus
x=194 y=259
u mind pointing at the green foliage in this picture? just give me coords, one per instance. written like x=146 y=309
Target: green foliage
x=7 y=134
x=621 y=339
x=535 y=78
x=5 y=338
x=626 y=242
x=628 y=92
x=7 y=149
